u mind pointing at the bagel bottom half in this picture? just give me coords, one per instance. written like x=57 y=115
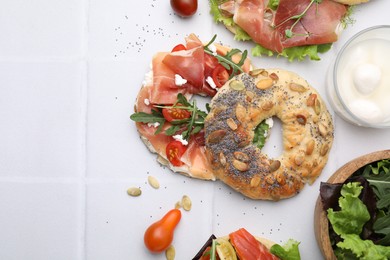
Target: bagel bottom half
x=243 y=103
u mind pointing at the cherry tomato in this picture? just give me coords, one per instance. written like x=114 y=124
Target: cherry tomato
x=159 y=235
x=174 y=151
x=179 y=47
x=210 y=62
x=220 y=75
x=171 y=114
x=184 y=8
x=248 y=247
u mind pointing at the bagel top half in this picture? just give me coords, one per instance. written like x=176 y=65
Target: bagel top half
x=243 y=103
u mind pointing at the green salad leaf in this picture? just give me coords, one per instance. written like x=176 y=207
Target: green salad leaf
x=361 y=249
x=353 y=214
x=377 y=174
x=289 y=251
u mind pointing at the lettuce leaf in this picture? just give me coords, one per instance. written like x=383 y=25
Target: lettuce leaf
x=289 y=251
x=353 y=214
x=363 y=249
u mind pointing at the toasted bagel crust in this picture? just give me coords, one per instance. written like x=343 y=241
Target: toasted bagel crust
x=247 y=101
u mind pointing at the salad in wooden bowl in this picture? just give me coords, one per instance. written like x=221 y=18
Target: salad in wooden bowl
x=352 y=214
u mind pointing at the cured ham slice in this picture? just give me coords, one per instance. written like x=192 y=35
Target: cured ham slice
x=164 y=89
x=189 y=64
x=318 y=25
x=250 y=15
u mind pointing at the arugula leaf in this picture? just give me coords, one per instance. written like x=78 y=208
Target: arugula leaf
x=227 y=59
x=155 y=117
x=273 y=4
x=289 y=251
x=191 y=126
x=353 y=214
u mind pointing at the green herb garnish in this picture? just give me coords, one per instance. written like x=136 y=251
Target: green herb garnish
x=227 y=60
x=189 y=126
x=289 y=32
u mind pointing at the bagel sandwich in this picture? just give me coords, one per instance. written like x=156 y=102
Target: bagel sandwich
x=295 y=29
x=241 y=244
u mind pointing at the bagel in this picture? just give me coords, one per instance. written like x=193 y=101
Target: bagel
x=245 y=101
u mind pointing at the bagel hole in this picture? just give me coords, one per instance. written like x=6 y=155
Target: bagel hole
x=273 y=146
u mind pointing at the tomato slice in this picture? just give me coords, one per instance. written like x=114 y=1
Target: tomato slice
x=220 y=75
x=174 y=151
x=171 y=114
x=179 y=47
x=248 y=247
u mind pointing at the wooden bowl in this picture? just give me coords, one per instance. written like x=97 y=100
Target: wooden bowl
x=320 y=219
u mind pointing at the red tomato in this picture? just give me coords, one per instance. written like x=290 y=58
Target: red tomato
x=220 y=75
x=184 y=8
x=174 y=151
x=171 y=114
x=248 y=247
x=159 y=235
x=179 y=47
x=210 y=62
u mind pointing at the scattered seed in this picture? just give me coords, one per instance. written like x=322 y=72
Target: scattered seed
x=186 y=203
x=178 y=205
x=170 y=253
x=134 y=191
x=153 y=182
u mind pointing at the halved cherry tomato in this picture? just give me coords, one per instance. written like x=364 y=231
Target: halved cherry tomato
x=171 y=114
x=179 y=47
x=174 y=151
x=159 y=235
x=220 y=75
x=248 y=247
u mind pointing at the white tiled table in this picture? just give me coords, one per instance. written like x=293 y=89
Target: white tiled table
x=69 y=74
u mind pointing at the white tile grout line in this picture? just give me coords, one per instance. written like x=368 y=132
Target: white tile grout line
x=84 y=112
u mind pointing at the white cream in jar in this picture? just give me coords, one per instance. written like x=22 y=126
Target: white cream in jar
x=360 y=89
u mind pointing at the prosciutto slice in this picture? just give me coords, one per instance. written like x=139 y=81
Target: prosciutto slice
x=267 y=27
x=318 y=25
x=164 y=90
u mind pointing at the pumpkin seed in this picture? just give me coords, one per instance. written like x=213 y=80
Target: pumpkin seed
x=256 y=72
x=186 y=203
x=241 y=166
x=153 y=182
x=274 y=165
x=297 y=87
x=255 y=181
x=237 y=85
x=232 y=125
x=170 y=253
x=134 y=191
x=178 y=205
x=264 y=83
x=310 y=147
